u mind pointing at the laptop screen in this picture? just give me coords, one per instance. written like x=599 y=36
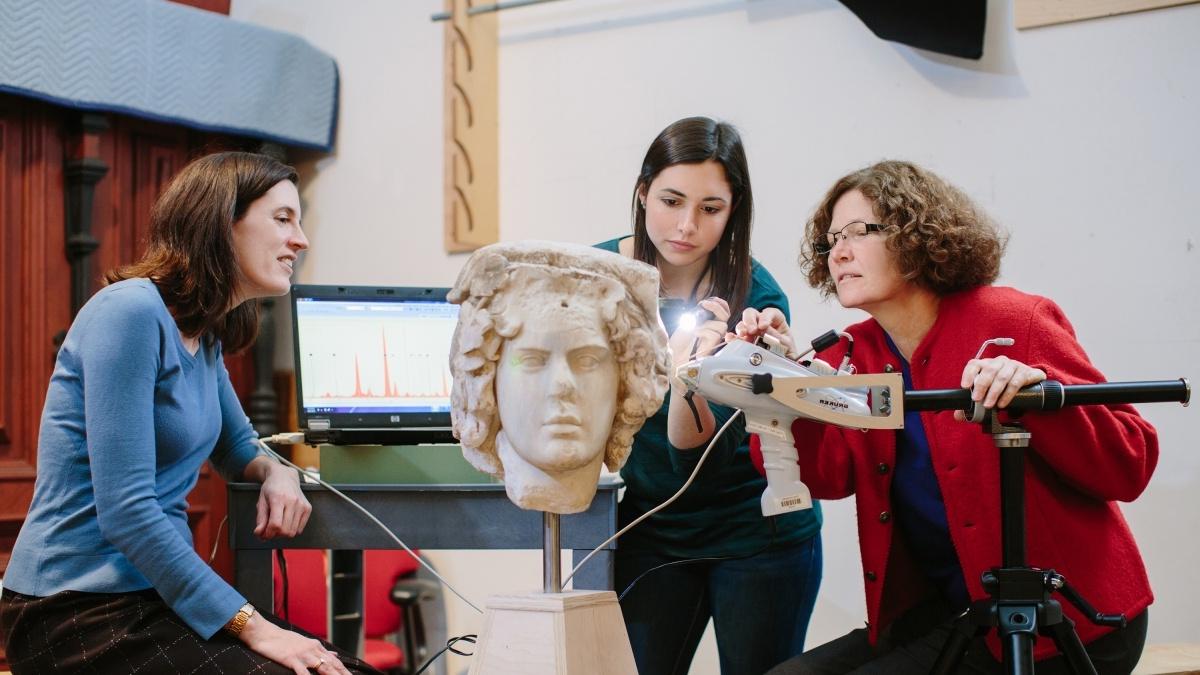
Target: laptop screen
x=372 y=357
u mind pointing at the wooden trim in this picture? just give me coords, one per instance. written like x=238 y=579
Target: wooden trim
x=289 y=420
x=218 y=6
x=1034 y=13
x=82 y=170
x=8 y=388
x=472 y=142
x=17 y=469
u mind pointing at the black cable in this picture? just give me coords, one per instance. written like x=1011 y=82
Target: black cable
x=470 y=637
x=685 y=561
x=283 y=573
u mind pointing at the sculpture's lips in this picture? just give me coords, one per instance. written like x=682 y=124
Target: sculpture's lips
x=564 y=420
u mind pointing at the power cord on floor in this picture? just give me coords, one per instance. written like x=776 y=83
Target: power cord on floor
x=296 y=437
x=471 y=637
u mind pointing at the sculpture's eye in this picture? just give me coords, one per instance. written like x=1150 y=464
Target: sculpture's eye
x=529 y=360
x=589 y=358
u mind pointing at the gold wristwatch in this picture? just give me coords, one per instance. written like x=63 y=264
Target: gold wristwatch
x=239 y=620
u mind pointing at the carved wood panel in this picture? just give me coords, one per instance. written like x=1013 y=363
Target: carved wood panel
x=471 y=117
x=6 y=384
x=35 y=304
x=33 y=271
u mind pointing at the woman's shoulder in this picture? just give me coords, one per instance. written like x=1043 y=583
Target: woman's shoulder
x=759 y=273
x=765 y=291
x=996 y=300
x=614 y=245
x=129 y=300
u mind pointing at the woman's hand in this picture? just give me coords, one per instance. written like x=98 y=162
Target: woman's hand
x=690 y=424
x=706 y=335
x=996 y=381
x=770 y=321
x=290 y=649
x=283 y=509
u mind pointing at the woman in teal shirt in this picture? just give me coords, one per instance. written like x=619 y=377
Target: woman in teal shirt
x=756 y=577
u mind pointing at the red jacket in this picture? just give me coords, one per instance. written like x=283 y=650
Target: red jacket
x=1083 y=459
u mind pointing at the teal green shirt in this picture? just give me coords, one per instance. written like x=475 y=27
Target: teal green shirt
x=720 y=513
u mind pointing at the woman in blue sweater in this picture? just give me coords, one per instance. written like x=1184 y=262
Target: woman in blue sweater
x=103 y=575
x=755 y=577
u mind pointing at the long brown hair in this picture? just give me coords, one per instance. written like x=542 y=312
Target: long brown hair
x=691 y=141
x=190 y=255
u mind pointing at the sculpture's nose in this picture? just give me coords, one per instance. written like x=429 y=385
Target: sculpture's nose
x=562 y=384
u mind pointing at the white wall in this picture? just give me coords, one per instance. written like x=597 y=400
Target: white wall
x=1081 y=139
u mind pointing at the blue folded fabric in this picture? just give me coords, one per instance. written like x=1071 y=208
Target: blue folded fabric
x=168 y=62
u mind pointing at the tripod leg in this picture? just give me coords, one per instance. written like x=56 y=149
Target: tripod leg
x=956 y=645
x=1068 y=642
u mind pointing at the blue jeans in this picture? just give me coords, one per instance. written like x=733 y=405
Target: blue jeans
x=759 y=605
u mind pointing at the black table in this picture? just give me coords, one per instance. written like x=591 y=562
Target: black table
x=469 y=516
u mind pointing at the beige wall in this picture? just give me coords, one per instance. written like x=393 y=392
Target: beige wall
x=1081 y=139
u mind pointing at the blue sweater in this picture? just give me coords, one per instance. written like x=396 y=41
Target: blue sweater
x=130 y=417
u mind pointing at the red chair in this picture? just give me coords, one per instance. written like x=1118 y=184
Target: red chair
x=392 y=596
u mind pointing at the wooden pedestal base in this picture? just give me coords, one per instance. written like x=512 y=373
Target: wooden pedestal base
x=569 y=633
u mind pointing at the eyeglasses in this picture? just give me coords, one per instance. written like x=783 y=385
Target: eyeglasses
x=852 y=232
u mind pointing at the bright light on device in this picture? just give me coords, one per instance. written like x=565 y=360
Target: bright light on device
x=687 y=321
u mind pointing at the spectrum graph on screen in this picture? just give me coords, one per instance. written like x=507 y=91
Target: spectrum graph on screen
x=375 y=356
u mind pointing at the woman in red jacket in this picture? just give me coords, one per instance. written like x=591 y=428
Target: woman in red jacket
x=913 y=252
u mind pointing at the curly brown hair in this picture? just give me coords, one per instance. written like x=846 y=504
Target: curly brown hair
x=941 y=239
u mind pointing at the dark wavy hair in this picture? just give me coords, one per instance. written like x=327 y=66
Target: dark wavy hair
x=190 y=255
x=941 y=239
x=694 y=140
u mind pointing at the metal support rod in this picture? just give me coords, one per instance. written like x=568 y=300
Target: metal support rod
x=551 y=554
x=1012 y=506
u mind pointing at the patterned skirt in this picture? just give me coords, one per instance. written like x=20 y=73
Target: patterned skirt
x=77 y=632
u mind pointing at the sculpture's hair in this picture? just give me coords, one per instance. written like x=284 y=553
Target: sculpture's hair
x=941 y=239
x=497 y=277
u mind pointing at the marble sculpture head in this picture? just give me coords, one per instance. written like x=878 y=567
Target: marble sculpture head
x=558 y=358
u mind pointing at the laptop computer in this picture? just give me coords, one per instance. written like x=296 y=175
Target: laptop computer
x=372 y=364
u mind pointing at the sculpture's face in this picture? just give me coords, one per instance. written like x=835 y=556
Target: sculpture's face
x=556 y=385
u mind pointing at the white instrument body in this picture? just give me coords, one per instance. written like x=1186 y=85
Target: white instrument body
x=773 y=391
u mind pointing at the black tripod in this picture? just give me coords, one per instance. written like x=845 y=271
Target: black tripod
x=1020 y=606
